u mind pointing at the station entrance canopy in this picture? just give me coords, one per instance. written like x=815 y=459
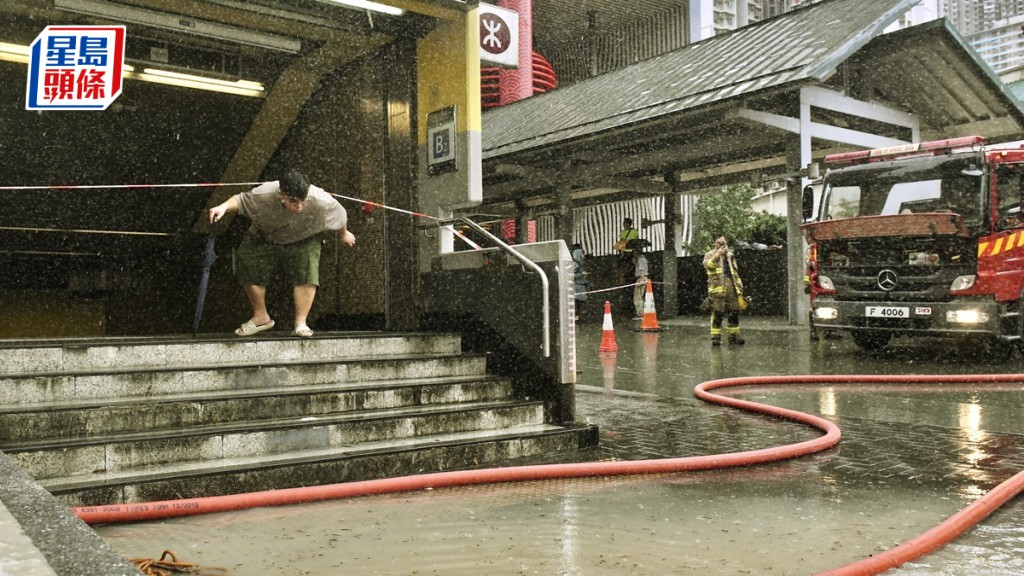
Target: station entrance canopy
x=718 y=111
x=762 y=101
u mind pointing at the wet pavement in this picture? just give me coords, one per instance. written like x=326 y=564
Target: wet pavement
x=910 y=456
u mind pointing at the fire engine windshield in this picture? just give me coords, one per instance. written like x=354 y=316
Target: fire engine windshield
x=932 y=184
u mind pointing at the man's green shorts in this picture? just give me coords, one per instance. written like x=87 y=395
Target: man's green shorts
x=256 y=260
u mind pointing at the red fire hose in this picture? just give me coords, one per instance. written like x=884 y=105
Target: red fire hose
x=916 y=547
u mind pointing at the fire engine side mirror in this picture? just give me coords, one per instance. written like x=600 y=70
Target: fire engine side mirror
x=808 y=203
x=813 y=171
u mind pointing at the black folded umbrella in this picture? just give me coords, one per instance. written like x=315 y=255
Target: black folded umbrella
x=204 y=280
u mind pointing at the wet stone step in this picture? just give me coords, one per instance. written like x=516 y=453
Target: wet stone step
x=98 y=454
x=150 y=414
x=365 y=461
x=25 y=357
x=39 y=389
x=142 y=419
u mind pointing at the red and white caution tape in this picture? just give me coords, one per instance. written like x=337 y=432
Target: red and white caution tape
x=121 y=186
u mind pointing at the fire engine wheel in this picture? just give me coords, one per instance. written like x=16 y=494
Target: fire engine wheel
x=872 y=341
x=1013 y=324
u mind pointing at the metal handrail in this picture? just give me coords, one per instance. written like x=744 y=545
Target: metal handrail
x=546 y=308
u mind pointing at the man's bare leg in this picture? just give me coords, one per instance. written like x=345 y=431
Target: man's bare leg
x=258 y=300
x=304 y=295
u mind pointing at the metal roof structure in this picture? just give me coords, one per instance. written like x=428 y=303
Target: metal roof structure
x=806 y=83
x=1017 y=88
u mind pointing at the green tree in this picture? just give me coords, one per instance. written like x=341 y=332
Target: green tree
x=769 y=229
x=726 y=212
x=729 y=212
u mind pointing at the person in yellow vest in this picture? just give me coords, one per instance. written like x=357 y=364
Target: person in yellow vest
x=627 y=233
x=625 y=250
x=724 y=289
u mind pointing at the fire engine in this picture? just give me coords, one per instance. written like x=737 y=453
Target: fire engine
x=924 y=239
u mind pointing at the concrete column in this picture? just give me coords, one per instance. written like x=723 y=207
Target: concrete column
x=798 y=302
x=564 y=220
x=670 y=260
x=523 y=217
x=402 y=280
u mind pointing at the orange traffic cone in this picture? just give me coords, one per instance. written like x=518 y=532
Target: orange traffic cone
x=608 y=336
x=650 y=321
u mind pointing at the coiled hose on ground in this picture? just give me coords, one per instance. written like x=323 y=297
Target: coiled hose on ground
x=914 y=548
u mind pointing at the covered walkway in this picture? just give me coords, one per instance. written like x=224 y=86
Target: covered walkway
x=757 y=104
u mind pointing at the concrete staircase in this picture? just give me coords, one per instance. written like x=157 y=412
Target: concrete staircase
x=144 y=419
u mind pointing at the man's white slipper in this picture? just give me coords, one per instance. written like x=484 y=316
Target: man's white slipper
x=248 y=329
x=303 y=332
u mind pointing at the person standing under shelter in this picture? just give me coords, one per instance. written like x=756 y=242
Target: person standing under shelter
x=288 y=217
x=627 y=234
x=641 y=274
x=724 y=290
x=581 y=282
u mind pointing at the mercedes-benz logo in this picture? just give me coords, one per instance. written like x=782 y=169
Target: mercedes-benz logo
x=887 y=280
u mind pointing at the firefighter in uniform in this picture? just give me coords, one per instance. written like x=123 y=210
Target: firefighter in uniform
x=724 y=290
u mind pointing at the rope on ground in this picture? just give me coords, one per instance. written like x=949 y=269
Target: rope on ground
x=165 y=567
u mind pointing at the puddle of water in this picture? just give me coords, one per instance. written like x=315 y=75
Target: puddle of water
x=707 y=524
x=995 y=548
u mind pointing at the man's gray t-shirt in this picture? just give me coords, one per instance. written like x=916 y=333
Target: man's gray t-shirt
x=273 y=222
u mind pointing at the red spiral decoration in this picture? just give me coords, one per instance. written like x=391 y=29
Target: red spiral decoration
x=544 y=77
x=544 y=80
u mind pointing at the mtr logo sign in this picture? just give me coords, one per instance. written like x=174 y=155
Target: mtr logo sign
x=499 y=36
x=75 y=68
